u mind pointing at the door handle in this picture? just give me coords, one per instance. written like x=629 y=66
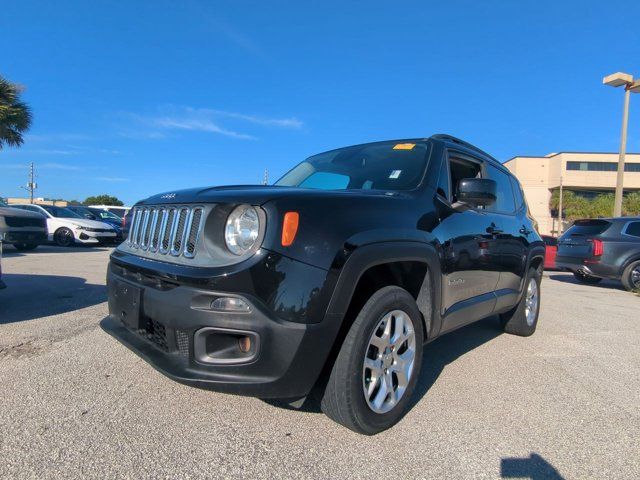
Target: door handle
x=494 y=230
x=525 y=231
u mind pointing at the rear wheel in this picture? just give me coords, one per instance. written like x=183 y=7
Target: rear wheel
x=523 y=319
x=584 y=278
x=63 y=237
x=24 y=247
x=373 y=378
x=631 y=276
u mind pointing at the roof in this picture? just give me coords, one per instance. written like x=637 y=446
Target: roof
x=551 y=155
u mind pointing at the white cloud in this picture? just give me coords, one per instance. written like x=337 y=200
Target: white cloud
x=113 y=179
x=275 y=122
x=199 y=125
x=59 y=166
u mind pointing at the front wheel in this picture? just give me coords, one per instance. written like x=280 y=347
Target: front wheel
x=63 y=237
x=584 y=278
x=25 y=247
x=375 y=374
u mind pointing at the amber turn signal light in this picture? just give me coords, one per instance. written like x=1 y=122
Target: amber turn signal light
x=289 y=228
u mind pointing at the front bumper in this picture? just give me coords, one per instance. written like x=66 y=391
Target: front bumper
x=84 y=236
x=171 y=326
x=25 y=236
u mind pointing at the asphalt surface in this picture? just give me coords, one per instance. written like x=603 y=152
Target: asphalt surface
x=564 y=403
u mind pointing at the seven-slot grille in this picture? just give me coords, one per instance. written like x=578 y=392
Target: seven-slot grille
x=166 y=229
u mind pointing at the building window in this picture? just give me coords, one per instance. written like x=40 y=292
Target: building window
x=602 y=166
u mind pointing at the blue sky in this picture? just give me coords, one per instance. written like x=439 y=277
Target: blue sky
x=134 y=98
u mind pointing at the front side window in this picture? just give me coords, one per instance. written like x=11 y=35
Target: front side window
x=504 y=193
x=374 y=166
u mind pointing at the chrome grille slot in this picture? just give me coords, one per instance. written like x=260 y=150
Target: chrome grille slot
x=165 y=229
x=132 y=227
x=144 y=218
x=148 y=227
x=160 y=219
x=194 y=232
x=177 y=239
x=166 y=233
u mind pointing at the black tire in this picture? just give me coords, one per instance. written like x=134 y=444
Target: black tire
x=344 y=397
x=583 y=278
x=25 y=247
x=631 y=276
x=516 y=321
x=63 y=237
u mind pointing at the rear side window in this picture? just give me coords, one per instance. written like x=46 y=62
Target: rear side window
x=588 y=227
x=633 y=229
x=504 y=193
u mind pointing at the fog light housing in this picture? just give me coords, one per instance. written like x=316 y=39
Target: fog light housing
x=244 y=344
x=230 y=304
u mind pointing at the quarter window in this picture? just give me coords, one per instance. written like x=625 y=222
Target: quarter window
x=633 y=229
x=504 y=193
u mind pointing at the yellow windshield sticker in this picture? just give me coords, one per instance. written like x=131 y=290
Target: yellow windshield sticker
x=404 y=146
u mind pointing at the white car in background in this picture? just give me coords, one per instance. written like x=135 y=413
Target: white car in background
x=66 y=227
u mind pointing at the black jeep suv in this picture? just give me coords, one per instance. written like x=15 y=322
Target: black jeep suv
x=594 y=249
x=349 y=264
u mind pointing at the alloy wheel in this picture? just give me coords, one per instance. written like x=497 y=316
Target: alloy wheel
x=389 y=361
x=635 y=277
x=531 y=301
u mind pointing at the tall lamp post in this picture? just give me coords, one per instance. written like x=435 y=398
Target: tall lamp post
x=622 y=80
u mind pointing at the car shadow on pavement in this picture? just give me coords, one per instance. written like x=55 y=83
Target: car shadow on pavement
x=11 y=252
x=436 y=356
x=28 y=297
x=534 y=467
x=568 y=278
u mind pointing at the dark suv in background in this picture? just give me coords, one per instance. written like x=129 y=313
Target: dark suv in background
x=594 y=249
x=349 y=264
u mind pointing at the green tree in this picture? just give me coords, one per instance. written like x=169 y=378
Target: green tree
x=631 y=204
x=15 y=116
x=103 y=200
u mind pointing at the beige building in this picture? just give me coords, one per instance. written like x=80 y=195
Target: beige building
x=588 y=174
x=37 y=201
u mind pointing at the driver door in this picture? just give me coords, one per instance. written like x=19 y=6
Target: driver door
x=469 y=249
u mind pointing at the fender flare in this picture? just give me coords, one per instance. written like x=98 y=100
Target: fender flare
x=632 y=258
x=371 y=255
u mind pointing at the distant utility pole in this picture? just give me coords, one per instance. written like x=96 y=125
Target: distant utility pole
x=32 y=185
x=560 y=209
x=265 y=180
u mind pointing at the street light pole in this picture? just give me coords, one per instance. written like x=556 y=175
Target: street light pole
x=617 y=206
x=618 y=80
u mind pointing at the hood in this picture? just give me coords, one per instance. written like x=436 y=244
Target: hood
x=16 y=212
x=251 y=194
x=86 y=223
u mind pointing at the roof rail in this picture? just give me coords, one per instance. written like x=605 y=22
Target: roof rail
x=451 y=138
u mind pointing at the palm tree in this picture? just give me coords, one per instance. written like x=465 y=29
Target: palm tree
x=15 y=116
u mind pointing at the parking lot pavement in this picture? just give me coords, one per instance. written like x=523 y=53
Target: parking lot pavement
x=564 y=403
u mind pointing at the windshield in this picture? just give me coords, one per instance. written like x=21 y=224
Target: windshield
x=587 y=227
x=60 y=212
x=373 y=166
x=104 y=214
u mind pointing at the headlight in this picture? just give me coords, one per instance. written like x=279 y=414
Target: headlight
x=242 y=229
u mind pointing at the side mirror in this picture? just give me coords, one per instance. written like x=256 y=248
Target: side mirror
x=475 y=192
